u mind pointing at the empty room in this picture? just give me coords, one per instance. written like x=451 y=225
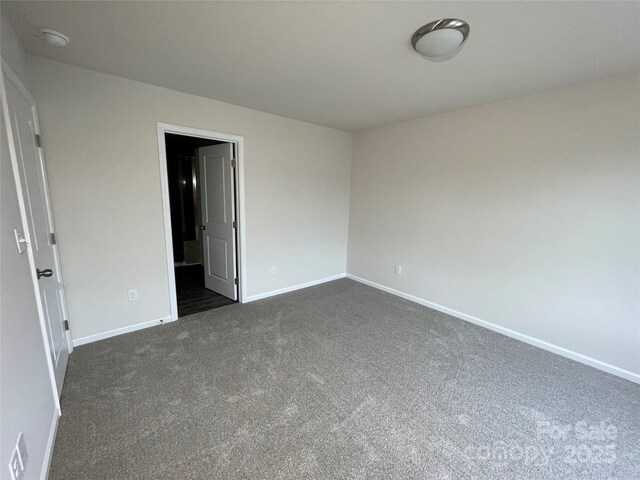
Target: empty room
x=320 y=240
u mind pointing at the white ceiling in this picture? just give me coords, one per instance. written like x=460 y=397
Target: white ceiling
x=348 y=65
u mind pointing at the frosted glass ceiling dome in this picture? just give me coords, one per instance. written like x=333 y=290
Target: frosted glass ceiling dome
x=440 y=40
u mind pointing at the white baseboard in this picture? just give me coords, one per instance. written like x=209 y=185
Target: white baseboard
x=606 y=367
x=260 y=296
x=139 y=326
x=119 y=331
x=48 y=453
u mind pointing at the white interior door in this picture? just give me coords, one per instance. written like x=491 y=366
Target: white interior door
x=217 y=194
x=33 y=179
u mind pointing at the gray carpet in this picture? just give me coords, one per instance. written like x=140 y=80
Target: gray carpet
x=338 y=381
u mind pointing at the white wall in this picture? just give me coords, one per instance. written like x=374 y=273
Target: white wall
x=27 y=401
x=522 y=213
x=99 y=133
x=12 y=51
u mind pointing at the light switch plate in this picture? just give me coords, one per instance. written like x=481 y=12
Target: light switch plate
x=21 y=241
x=22 y=451
x=15 y=465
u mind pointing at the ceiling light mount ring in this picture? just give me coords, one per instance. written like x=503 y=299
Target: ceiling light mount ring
x=440 y=40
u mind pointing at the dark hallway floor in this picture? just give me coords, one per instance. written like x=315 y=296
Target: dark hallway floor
x=192 y=295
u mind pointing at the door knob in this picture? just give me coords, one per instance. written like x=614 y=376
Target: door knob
x=203 y=227
x=47 y=272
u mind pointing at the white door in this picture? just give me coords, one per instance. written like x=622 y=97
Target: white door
x=217 y=200
x=32 y=173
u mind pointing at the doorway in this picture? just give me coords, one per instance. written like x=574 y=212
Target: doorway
x=201 y=182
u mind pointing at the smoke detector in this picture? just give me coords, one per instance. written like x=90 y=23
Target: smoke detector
x=53 y=38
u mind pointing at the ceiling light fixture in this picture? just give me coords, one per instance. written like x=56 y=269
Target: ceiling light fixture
x=53 y=38
x=440 y=40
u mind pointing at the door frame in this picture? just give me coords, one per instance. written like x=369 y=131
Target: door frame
x=241 y=251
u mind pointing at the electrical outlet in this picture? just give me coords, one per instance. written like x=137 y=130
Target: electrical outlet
x=273 y=269
x=398 y=269
x=132 y=294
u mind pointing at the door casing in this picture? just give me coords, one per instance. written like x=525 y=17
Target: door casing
x=238 y=140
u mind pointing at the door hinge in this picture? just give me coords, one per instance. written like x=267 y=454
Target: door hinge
x=235 y=281
x=235 y=224
x=66 y=325
x=53 y=238
x=38 y=140
x=234 y=163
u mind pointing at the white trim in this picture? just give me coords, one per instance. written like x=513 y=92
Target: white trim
x=592 y=362
x=280 y=291
x=18 y=84
x=119 y=331
x=166 y=209
x=6 y=70
x=48 y=452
